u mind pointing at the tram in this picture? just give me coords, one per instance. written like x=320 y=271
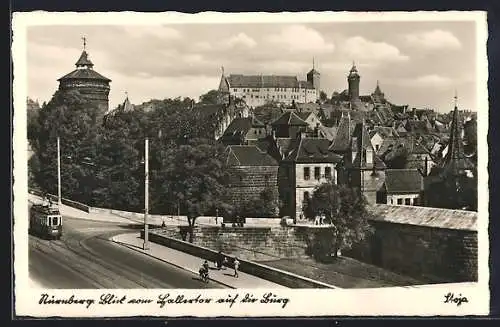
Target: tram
x=45 y=221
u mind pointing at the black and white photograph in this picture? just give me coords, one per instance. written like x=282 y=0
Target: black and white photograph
x=270 y=164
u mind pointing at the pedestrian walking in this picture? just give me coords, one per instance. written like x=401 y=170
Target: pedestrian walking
x=236 y=264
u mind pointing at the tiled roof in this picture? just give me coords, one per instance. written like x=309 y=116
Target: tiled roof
x=304 y=115
x=416 y=126
x=239 y=126
x=401 y=181
x=88 y=74
x=329 y=132
x=311 y=106
x=313 y=150
x=245 y=155
x=84 y=60
x=342 y=140
x=426 y=217
x=383 y=131
x=289 y=118
x=266 y=81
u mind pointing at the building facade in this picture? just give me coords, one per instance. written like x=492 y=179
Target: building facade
x=258 y=90
x=307 y=166
x=251 y=172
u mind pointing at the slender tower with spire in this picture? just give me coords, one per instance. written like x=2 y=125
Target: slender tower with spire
x=353 y=81
x=87 y=81
x=456 y=162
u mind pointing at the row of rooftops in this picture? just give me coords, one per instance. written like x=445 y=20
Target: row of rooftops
x=266 y=81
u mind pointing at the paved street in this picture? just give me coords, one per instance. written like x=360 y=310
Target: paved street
x=86 y=258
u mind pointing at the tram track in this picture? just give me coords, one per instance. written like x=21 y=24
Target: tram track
x=85 y=258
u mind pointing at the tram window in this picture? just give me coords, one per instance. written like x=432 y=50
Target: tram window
x=54 y=221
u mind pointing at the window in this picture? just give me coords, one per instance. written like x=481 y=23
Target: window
x=392 y=201
x=328 y=172
x=407 y=201
x=377 y=146
x=307 y=173
x=55 y=221
x=415 y=201
x=317 y=173
x=400 y=201
x=235 y=90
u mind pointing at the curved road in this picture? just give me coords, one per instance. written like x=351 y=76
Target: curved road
x=86 y=258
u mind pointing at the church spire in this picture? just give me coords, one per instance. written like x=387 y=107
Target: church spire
x=455 y=162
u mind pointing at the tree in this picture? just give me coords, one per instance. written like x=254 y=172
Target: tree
x=119 y=165
x=211 y=97
x=194 y=177
x=345 y=209
x=323 y=97
x=266 y=206
x=74 y=119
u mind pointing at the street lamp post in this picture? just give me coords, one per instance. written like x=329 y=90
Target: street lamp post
x=146 y=194
x=59 y=199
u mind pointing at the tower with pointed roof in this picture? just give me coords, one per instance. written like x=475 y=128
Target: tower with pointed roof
x=456 y=162
x=92 y=85
x=453 y=184
x=378 y=95
x=353 y=80
x=313 y=77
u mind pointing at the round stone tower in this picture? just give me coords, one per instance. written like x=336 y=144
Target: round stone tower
x=88 y=82
x=353 y=80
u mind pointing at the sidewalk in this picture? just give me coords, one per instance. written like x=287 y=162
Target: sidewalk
x=191 y=263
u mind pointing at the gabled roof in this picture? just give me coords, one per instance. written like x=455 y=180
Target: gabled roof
x=241 y=126
x=305 y=115
x=416 y=126
x=313 y=150
x=289 y=118
x=342 y=140
x=248 y=155
x=403 y=181
x=360 y=143
x=329 y=132
x=304 y=107
x=265 y=81
x=383 y=131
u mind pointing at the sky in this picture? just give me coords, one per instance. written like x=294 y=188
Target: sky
x=416 y=63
